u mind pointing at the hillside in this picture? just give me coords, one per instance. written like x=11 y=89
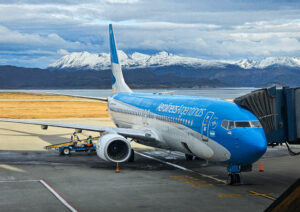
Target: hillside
x=12 y=77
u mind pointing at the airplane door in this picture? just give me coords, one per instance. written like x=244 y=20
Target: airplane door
x=205 y=125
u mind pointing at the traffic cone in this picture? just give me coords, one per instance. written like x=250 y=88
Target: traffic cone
x=261 y=167
x=117 y=170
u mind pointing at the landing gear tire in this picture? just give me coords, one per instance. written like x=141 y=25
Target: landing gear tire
x=131 y=158
x=189 y=157
x=238 y=178
x=233 y=179
x=66 y=151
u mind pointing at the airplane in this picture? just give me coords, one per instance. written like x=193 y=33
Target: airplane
x=207 y=128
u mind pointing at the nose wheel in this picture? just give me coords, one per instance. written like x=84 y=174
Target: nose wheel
x=233 y=179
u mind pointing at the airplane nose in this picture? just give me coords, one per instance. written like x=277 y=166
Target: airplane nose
x=253 y=146
x=257 y=145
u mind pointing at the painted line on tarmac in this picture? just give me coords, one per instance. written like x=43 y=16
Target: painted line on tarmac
x=38 y=163
x=254 y=193
x=46 y=185
x=58 y=196
x=182 y=168
x=18 y=181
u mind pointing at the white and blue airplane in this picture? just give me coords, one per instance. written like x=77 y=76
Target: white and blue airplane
x=211 y=129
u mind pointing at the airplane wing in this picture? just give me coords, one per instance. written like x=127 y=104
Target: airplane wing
x=126 y=132
x=79 y=96
x=104 y=99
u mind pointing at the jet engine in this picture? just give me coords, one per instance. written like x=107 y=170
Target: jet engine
x=114 y=148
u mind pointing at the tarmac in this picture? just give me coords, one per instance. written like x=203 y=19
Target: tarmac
x=33 y=179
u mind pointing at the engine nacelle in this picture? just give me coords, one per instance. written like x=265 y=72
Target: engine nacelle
x=114 y=148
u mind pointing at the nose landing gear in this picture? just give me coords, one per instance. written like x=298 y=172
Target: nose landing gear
x=234 y=177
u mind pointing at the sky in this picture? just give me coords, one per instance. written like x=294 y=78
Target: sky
x=35 y=33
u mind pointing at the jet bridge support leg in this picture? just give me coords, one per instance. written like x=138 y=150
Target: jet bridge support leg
x=233 y=174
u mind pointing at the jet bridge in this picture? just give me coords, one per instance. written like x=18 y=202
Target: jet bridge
x=278 y=110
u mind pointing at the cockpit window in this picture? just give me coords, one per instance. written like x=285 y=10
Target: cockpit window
x=255 y=124
x=225 y=124
x=229 y=125
x=242 y=124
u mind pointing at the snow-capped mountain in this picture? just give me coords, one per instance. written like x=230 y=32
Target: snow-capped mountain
x=85 y=60
x=283 y=61
x=246 y=63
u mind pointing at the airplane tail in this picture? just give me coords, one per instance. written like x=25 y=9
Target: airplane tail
x=118 y=82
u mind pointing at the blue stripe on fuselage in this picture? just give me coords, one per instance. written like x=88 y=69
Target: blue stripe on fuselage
x=184 y=106
x=195 y=110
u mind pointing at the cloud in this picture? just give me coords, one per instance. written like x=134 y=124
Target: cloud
x=29 y=47
x=219 y=29
x=214 y=42
x=122 y=1
x=16 y=39
x=63 y=52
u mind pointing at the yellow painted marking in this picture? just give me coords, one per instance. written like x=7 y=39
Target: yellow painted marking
x=201 y=185
x=191 y=180
x=254 y=193
x=229 y=195
x=11 y=168
x=180 y=176
x=195 y=181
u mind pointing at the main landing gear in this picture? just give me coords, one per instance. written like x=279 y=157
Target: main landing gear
x=131 y=158
x=189 y=157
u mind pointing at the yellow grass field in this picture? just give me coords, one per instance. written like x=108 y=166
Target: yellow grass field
x=23 y=95
x=41 y=106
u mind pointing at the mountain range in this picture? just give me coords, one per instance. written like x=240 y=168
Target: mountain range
x=86 y=60
x=161 y=70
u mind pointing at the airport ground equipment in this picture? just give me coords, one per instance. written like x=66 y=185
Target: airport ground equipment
x=66 y=150
x=67 y=147
x=278 y=110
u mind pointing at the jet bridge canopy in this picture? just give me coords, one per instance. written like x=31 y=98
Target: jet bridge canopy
x=278 y=110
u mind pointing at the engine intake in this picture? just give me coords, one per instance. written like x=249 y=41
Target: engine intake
x=114 y=148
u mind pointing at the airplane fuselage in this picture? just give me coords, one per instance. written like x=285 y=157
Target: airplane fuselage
x=211 y=129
